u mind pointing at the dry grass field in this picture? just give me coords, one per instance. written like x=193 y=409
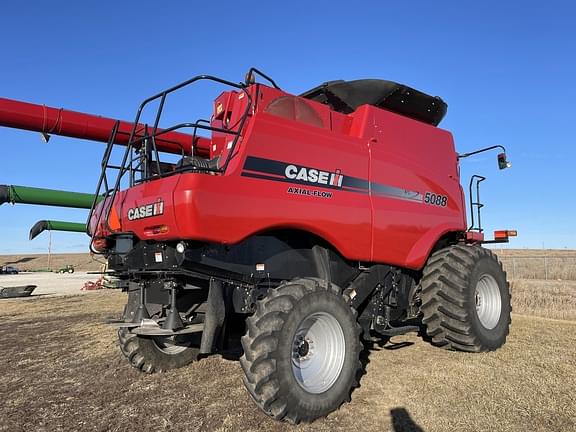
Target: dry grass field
x=546 y=264
x=509 y=253
x=34 y=262
x=62 y=370
x=551 y=299
x=543 y=282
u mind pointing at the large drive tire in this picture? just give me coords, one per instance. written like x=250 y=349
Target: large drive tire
x=155 y=354
x=465 y=299
x=301 y=351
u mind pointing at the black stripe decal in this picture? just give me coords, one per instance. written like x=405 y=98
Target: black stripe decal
x=298 y=182
x=394 y=192
x=267 y=166
x=269 y=169
x=355 y=183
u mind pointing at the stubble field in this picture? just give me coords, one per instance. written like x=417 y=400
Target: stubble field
x=62 y=370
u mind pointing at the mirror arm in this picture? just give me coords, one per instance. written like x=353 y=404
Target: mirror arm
x=465 y=155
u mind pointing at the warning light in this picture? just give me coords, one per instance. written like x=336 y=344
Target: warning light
x=504 y=234
x=155 y=230
x=100 y=244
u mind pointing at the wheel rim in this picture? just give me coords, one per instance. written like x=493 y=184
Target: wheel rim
x=488 y=301
x=318 y=349
x=171 y=345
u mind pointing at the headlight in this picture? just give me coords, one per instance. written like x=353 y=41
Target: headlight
x=181 y=247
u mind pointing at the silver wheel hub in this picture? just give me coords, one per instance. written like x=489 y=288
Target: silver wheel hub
x=317 y=352
x=488 y=301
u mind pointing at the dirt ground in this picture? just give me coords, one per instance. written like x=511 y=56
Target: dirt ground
x=62 y=370
x=49 y=284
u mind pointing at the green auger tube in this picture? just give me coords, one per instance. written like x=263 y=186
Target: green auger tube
x=51 y=225
x=50 y=197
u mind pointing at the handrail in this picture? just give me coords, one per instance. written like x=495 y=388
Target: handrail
x=144 y=143
x=103 y=178
x=479 y=179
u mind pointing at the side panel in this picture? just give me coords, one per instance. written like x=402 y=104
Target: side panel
x=415 y=190
x=258 y=193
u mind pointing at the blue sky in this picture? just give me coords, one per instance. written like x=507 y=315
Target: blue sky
x=506 y=69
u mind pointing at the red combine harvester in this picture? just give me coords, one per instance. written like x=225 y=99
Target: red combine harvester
x=308 y=223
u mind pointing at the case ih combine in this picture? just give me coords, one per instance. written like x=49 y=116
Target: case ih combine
x=308 y=223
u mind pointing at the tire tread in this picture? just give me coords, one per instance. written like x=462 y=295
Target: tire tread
x=263 y=327
x=443 y=294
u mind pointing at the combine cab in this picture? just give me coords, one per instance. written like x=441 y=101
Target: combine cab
x=309 y=224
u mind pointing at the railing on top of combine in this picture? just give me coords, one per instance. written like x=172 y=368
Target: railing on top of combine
x=141 y=157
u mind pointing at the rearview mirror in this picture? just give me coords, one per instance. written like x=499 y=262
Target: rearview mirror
x=502 y=162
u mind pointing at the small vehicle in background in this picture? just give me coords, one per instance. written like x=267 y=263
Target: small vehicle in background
x=9 y=270
x=68 y=268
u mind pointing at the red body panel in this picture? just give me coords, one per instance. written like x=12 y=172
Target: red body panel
x=382 y=168
x=414 y=156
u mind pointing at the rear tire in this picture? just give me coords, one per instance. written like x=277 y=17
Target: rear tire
x=155 y=354
x=465 y=299
x=301 y=351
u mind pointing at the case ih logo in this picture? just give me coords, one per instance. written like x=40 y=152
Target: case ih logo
x=146 y=211
x=312 y=175
x=286 y=172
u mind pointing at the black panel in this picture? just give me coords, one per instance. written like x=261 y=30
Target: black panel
x=347 y=96
x=284 y=254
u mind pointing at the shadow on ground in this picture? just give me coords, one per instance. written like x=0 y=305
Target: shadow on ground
x=402 y=422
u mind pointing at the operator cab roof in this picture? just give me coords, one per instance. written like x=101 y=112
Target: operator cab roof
x=347 y=96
